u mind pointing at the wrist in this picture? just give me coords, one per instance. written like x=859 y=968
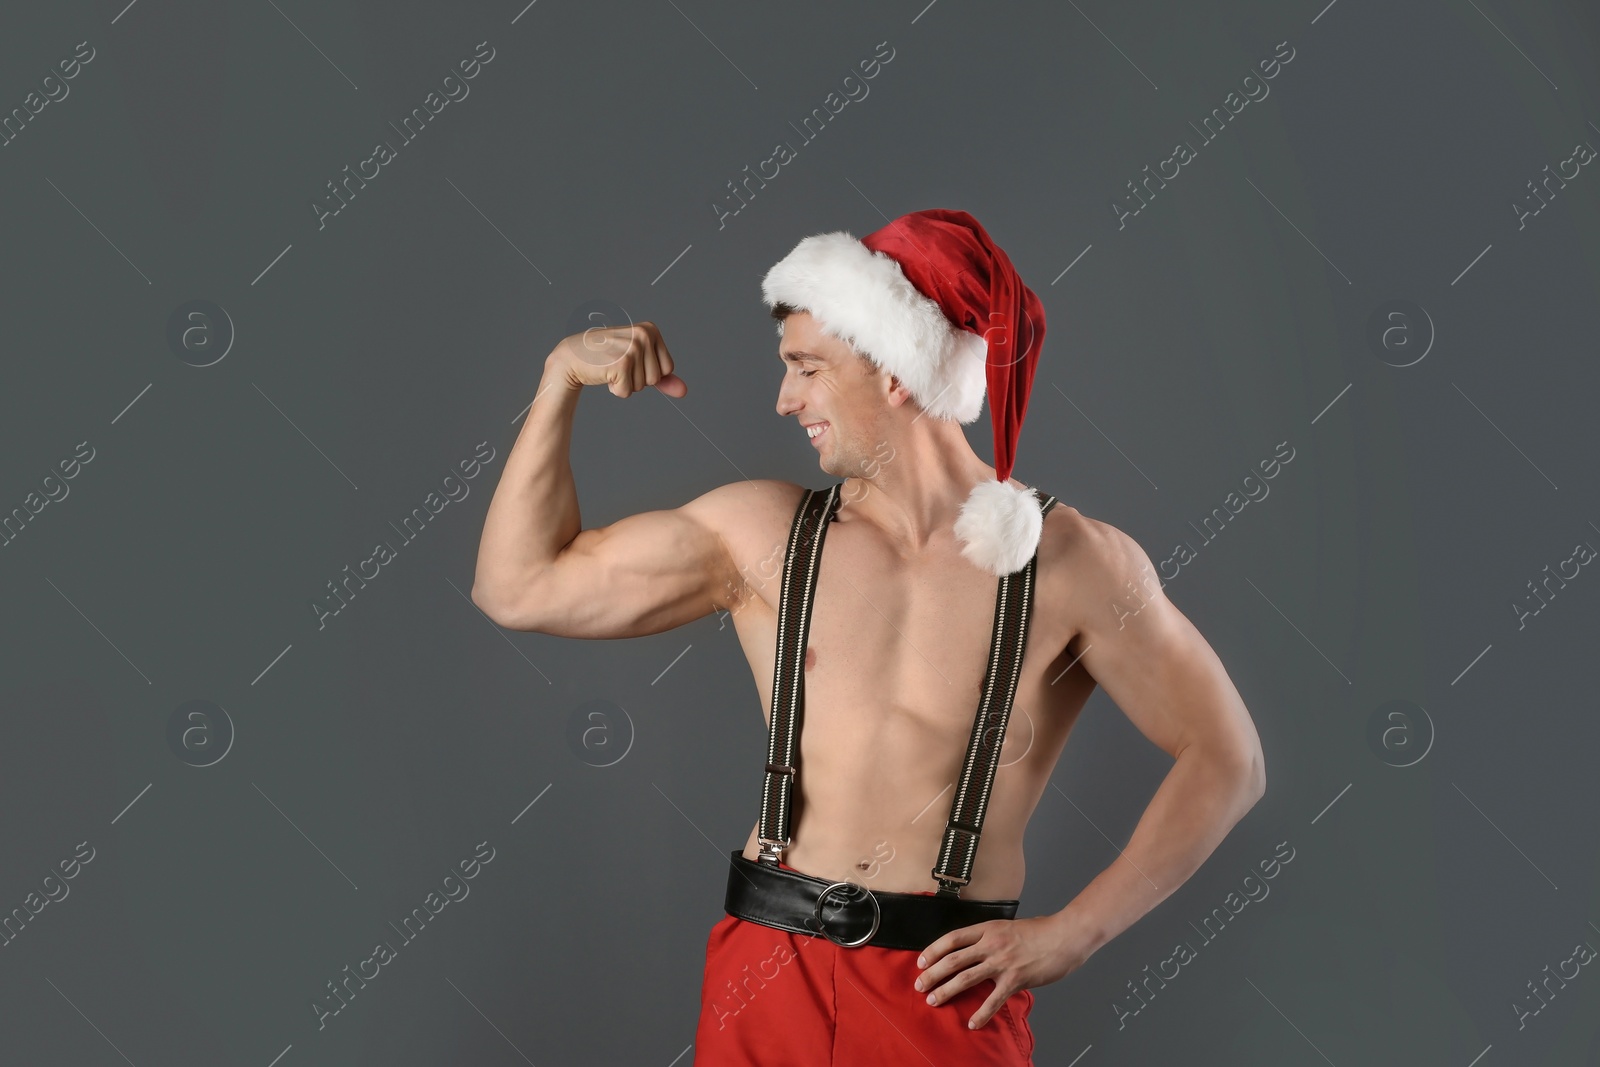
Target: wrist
x=557 y=374
x=1082 y=929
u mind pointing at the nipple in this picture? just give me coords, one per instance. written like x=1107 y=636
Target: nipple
x=811 y=658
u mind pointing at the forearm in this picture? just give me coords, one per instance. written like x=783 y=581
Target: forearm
x=533 y=514
x=1202 y=797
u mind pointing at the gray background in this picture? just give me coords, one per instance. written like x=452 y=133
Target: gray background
x=372 y=355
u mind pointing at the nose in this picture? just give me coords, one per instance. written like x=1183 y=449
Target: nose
x=788 y=404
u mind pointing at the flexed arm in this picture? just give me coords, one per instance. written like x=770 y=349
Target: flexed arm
x=538 y=569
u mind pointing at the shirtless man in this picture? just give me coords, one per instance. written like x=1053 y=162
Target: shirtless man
x=894 y=658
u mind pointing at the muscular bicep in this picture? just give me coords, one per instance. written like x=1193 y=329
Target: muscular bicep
x=1152 y=661
x=640 y=575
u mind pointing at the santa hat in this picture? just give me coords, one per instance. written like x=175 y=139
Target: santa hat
x=932 y=300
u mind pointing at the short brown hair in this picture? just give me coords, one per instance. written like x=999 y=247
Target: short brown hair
x=781 y=311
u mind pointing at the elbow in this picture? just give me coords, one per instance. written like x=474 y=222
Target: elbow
x=1235 y=774
x=500 y=608
x=1239 y=774
x=1252 y=777
x=489 y=601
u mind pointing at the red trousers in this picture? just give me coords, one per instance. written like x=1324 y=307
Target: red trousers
x=777 y=999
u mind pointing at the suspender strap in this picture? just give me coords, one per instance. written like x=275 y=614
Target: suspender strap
x=810 y=528
x=1013 y=610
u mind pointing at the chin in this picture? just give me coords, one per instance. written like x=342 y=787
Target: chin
x=846 y=464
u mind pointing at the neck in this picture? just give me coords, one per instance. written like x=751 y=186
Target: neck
x=916 y=495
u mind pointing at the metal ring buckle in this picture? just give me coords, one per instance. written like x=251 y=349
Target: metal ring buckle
x=877 y=914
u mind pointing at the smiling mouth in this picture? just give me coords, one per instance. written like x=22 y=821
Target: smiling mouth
x=817 y=432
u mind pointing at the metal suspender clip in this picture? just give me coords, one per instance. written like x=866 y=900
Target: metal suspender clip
x=772 y=850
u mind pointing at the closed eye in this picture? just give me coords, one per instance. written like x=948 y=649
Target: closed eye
x=807 y=373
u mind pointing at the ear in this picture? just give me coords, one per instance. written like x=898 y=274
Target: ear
x=897 y=393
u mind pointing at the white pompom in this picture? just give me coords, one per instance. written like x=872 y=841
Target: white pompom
x=999 y=526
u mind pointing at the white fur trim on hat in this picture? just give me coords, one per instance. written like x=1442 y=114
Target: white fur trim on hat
x=863 y=298
x=1000 y=526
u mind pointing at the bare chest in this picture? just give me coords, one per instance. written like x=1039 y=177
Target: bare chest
x=896 y=656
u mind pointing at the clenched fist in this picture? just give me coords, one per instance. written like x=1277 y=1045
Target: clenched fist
x=625 y=359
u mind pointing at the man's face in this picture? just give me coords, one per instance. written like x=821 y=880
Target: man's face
x=834 y=391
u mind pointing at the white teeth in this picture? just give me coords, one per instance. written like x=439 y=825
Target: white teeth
x=812 y=431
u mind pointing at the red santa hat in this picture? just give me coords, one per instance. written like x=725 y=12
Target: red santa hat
x=931 y=299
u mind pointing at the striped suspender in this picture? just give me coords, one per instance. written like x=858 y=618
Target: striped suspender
x=1013 y=609
x=806 y=535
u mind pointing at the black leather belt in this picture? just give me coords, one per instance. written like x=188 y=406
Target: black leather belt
x=847 y=913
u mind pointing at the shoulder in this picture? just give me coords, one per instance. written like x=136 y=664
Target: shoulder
x=1082 y=556
x=752 y=519
x=1071 y=533
x=730 y=507
x=750 y=516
